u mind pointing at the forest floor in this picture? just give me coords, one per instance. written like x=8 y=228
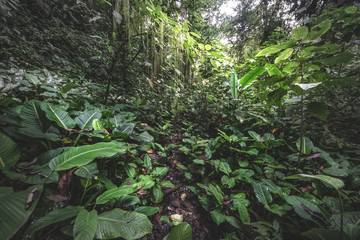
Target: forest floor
x=180 y=202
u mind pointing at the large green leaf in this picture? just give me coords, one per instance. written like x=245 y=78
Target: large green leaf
x=273 y=49
x=119 y=223
x=148 y=211
x=334 y=182
x=248 y=78
x=318 y=30
x=306 y=146
x=32 y=79
x=14 y=210
x=262 y=193
x=116 y=193
x=85 y=225
x=58 y=115
x=10 y=153
x=158 y=194
x=349 y=218
x=304 y=208
x=218 y=217
x=299 y=33
x=33 y=120
x=83 y=155
x=217 y=193
x=54 y=217
x=127 y=128
x=181 y=231
x=234 y=84
x=84 y=120
x=284 y=55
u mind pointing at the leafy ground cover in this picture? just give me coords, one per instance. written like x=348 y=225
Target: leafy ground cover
x=92 y=146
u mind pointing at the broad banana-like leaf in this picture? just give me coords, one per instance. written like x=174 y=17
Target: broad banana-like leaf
x=10 y=153
x=83 y=155
x=234 y=83
x=85 y=225
x=84 y=121
x=54 y=217
x=181 y=231
x=33 y=120
x=15 y=209
x=58 y=115
x=248 y=78
x=119 y=223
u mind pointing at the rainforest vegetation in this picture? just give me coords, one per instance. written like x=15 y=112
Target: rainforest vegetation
x=180 y=119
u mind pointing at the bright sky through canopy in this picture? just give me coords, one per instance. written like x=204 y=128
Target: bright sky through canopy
x=228 y=8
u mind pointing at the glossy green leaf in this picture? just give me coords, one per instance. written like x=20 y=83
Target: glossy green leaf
x=160 y=171
x=351 y=9
x=279 y=210
x=127 y=128
x=215 y=191
x=83 y=155
x=33 y=120
x=87 y=171
x=85 y=119
x=248 y=78
x=273 y=49
x=146 y=137
x=158 y=194
x=299 y=33
x=10 y=153
x=119 y=223
x=14 y=211
x=233 y=221
x=146 y=210
x=302 y=206
x=167 y=184
x=54 y=216
x=116 y=193
x=254 y=135
x=318 y=30
x=284 y=55
x=97 y=125
x=32 y=79
x=85 y=225
x=318 y=109
x=234 y=84
x=307 y=145
x=334 y=182
x=58 y=115
x=217 y=216
x=147 y=161
x=262 y=193
x=224 y=167
x=181 y=231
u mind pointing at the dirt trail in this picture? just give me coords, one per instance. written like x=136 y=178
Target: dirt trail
x=182 y=201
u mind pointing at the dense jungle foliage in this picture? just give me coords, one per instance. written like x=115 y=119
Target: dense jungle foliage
x=180 y=119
